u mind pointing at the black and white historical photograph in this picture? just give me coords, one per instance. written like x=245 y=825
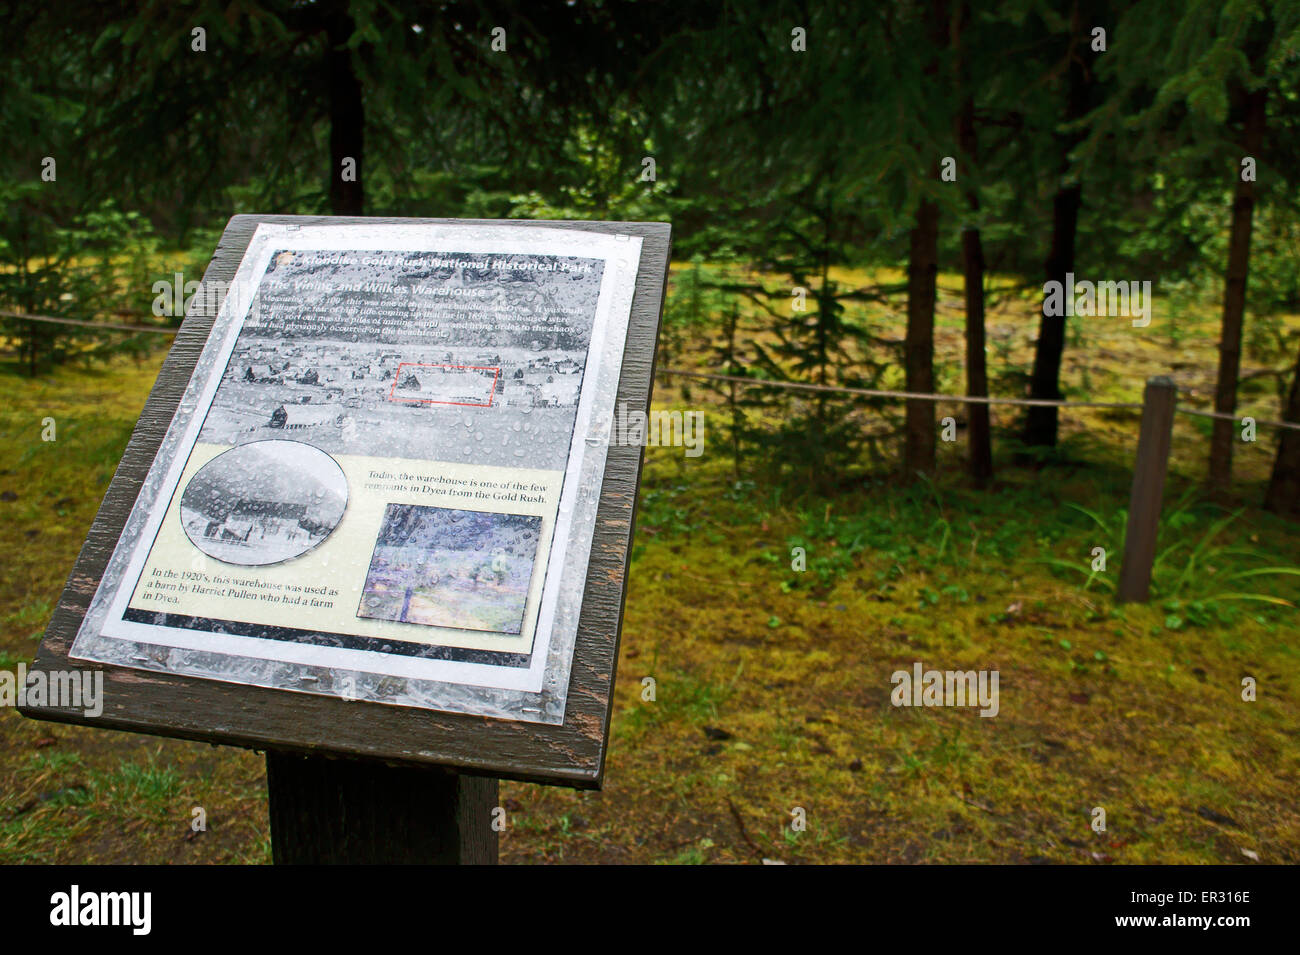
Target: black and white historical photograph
x=441 y=567
x=476 y=359
x=263 y=503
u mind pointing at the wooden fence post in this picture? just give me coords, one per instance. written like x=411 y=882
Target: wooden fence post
x=1149 y=469
x=327 y=811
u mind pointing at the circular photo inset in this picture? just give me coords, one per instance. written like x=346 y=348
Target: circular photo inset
x=264 y=502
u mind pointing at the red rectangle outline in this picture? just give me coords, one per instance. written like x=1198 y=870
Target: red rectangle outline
x=434 y=401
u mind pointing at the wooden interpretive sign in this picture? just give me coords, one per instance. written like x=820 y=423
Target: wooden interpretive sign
x=372 y=511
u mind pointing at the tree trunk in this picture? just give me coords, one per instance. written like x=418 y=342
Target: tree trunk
x=1041 y=422
x=347 y=115
x=1283 y=496
x=29 y=344
x=918 y=350
x=1234 y=302
x=922 y=276
x=972 y=260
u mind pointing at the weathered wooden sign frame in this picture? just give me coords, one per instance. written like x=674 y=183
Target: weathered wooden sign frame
x=288 y=723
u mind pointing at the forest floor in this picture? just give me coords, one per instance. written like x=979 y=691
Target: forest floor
x=772 y=686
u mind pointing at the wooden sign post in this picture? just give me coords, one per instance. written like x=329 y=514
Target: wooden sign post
x=346 y=811
x=413 y=586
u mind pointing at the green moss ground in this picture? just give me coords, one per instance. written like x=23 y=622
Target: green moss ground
x=772 y=687
x=69 y=794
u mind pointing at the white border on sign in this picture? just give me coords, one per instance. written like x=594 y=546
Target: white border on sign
x=570 y=543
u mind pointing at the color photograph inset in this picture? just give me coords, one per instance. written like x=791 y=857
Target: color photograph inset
x=439 y=567
x=264 y=502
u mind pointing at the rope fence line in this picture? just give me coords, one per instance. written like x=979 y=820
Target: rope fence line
x=961 y=399
x=1196 y=412
x=910 y=395
x=765 y=383
x=26 y=317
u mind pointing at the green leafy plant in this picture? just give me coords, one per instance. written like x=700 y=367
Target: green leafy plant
x=1198 y=576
